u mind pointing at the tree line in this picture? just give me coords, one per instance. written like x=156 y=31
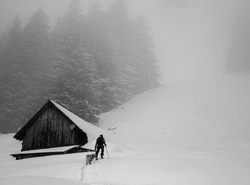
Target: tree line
x=90 y=62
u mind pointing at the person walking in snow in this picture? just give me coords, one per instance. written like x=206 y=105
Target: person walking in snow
x=99 y=145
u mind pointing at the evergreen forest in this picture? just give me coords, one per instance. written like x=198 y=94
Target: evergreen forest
x=89 y=62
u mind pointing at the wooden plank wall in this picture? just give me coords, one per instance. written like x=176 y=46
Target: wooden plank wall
x=51 y=129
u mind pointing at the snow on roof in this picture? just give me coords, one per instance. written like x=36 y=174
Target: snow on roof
x=92 y=131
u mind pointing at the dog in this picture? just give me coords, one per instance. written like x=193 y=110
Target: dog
x=89 y=158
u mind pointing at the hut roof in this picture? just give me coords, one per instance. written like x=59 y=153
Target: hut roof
x=91 y=130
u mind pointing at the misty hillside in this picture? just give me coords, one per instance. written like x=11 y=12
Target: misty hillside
x=92 y=57
x=194 y=132
x=199 y=131
x=202 y=114
x=90 y=62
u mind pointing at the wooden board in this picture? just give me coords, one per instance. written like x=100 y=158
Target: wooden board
x=42 y=153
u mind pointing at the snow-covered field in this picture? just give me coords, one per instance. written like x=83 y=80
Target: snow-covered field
x=187 y=133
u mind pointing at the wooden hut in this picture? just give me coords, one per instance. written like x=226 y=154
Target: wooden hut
x=52 y=126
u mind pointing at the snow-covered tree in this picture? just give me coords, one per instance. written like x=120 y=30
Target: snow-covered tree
x=135 y=58
x=145 y=61
x=89 y=62
x=76 y=81
x=34 y=64
x=11 y=76
x=36 y=44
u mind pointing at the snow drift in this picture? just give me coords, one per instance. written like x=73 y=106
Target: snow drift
x=195 y=133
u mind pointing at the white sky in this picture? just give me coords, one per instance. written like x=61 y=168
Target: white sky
x=192 y=36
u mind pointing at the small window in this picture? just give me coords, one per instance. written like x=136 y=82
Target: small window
x=72 y=126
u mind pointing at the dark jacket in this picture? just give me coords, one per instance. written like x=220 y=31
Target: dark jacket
x=100 y=142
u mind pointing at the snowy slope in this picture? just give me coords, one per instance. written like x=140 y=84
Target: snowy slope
x=192 y=133
x=211 y=113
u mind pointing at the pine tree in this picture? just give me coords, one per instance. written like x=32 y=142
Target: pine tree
x=135 y=58
x=145 y=59
x=101 y=47
x=36 y=40
x=35 y=63
x=120 y=29
x=66 y=23
x=12 y=51
x=12 y=77
x=76 y=78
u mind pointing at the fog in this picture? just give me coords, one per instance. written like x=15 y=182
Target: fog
x=192 y=37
